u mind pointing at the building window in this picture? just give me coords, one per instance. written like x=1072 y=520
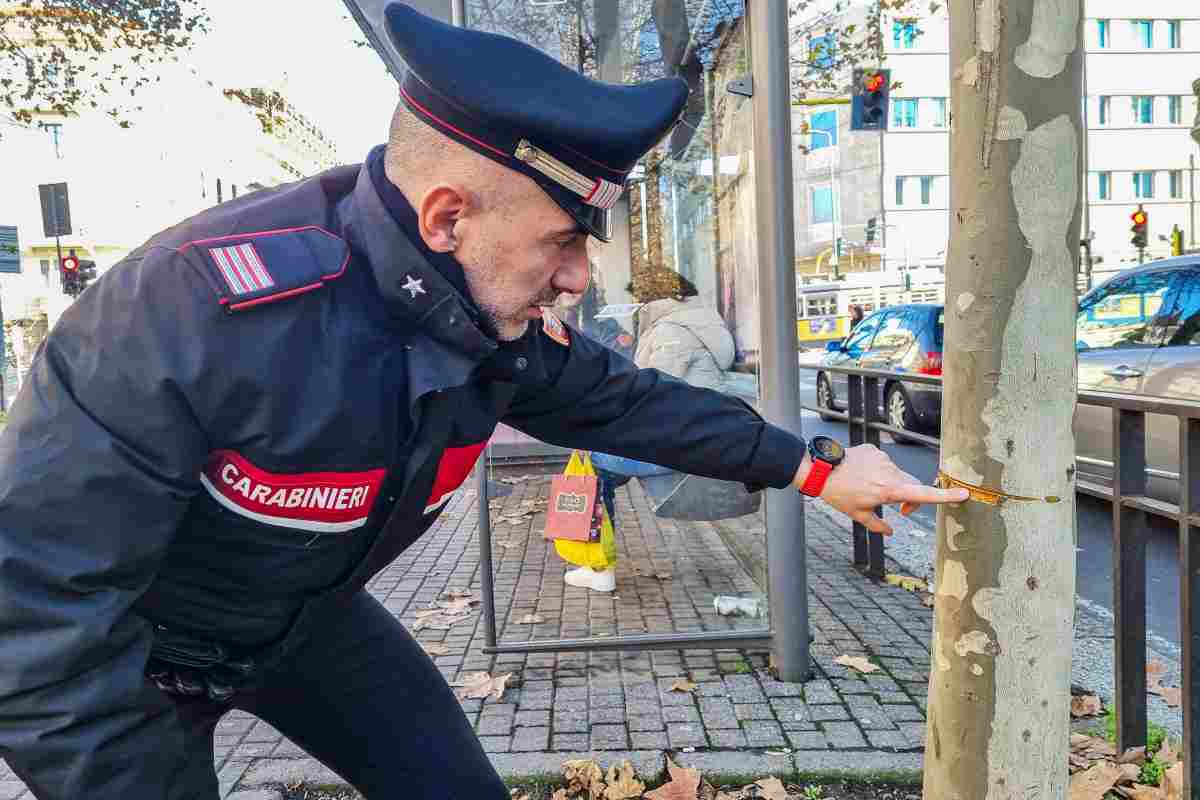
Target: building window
x=1143 y=185
x=899 y=190
x=1175 y=109
x=1105 y=185
x=926 y=189
x=1143 y=110
x=904 y=33
x=822 y=51
x=1143 y=32
x=1173 y=34
x=1102 y=32
x=1105 y=110
x=822 y=205
x=823 y=130
x=939 y=111
x=904 y=112
x=1175 y=178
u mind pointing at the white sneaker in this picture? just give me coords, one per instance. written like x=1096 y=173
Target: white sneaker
x=587 y=578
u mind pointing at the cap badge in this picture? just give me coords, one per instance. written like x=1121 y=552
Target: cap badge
x=594 y=191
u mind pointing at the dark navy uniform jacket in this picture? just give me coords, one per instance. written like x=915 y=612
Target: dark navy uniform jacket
x=238 y=425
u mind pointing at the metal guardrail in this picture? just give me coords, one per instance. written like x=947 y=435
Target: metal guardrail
x=1131 y=509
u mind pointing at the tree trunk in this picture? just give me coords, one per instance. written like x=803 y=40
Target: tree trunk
x=1001 y=653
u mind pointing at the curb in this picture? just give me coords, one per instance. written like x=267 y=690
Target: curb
x=263 y=779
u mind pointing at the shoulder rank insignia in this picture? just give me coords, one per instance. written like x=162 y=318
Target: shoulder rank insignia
x=552 y=326
x=250 y=269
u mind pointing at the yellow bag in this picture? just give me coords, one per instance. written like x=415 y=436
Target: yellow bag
x=598 y=555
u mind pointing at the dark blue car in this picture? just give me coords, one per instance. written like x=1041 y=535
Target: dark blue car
x=901 y=339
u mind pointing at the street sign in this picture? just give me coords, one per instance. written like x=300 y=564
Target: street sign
x=10 y=250
x=56 y=209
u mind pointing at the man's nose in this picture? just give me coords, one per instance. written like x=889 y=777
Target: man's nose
x=574 y=275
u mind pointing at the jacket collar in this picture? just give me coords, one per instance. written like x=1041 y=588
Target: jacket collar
x=413 y=291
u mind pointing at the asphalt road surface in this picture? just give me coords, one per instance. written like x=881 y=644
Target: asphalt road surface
x=1094 y=556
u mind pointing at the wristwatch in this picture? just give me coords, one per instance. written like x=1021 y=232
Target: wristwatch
x=826 y=454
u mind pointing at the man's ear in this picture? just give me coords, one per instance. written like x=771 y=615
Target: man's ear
x=441 y=207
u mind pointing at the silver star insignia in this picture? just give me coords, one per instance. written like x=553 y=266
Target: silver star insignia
x=413 y=285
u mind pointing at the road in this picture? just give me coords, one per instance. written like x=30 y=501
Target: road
x=1094 y=518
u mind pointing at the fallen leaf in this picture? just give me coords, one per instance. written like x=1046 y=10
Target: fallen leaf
x=584 y=776
x=1079 y=740
x=560 y=794
x=1087 y=705
x=927 y=600
x=531 y=619
x=682 y=685
x=1092 y=784
x=1134 y=755
x=459 y=605
x=455 y=594
x=1173 y=782
x=428 y=612
x=663 y=576
x=771 y=789
x=1171 y=695
x=437 y=622
x=1140 y=791
x=856 y=662
x=478 y=685
x=435 y=648
x=906 y=582
x=1129 y=773
x=518 y=794
x=683 y=785
x=623 y=783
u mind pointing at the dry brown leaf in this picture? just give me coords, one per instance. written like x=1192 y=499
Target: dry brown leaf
x=531 y=619
x=856 y=662
x=927 y=600
x=478 y=685
x=584 y=775
x=771 y=789
x=560 y=794
x=1129 y=773
x=1173 y=782
x=906 y=582
x=518 y=794
x=459 y=605
x=682 y=685
x=1079 y=740
x=1134 y=755
x=428 y=612
x=1092 y=784
x=1087 y=705
x=663 y=576
x=1167 y=754
x=1171 y=695
x=455 y=594
x=623 y=783
x=683 y=785
x=435 y=648
x=1140 y=791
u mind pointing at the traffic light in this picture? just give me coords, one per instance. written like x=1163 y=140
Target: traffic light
x=86 y=274
x=1139 y=219
x=872 y=230
x=1176 y=241
x=70 y=274
x=869 y=99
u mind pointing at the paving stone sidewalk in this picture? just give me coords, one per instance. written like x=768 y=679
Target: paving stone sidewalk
x=612 y=705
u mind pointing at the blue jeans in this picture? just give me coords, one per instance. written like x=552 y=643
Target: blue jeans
x=615 y=471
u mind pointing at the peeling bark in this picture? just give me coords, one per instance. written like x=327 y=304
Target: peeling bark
x=1004 y=602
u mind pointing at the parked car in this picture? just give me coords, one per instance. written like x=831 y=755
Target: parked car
x=1138 y=333
x=901 y=339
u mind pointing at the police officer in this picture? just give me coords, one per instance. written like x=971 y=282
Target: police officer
x=236 y=427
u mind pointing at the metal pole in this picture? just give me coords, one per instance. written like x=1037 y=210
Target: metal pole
x=1192 y=195
x=486 y=576
x=882 y=211
x=780 y=372
x=458 y=13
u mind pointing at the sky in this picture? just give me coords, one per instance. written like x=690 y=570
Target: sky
x=344 y=89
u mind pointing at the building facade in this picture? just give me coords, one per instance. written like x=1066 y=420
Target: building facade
x=1138 y=109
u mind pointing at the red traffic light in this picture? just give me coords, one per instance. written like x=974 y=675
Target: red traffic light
x=1138 y=217
x=873 y=83
x=70 y=263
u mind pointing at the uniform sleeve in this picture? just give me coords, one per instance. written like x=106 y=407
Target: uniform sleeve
x=598 y=400
x=97 y=464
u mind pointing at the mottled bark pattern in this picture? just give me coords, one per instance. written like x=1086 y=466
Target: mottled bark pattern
x=1001 y=650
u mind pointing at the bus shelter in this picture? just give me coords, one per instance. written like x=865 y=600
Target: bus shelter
x=710 y=208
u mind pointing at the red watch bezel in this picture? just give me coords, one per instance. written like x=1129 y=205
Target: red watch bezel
x=814 y=484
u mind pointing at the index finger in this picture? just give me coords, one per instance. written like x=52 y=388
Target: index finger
x=920 y=494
